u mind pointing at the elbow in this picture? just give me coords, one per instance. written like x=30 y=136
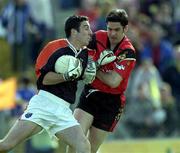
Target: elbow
x=45 y=82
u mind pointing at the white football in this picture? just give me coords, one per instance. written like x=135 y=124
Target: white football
x=64 y=63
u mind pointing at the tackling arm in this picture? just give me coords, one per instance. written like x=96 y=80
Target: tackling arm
x=122 y=68
x=105 y=57
x=112 y=78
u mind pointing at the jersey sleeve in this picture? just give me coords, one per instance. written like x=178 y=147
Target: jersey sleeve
x=125 y=62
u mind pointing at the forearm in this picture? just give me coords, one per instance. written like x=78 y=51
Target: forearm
x=52 y=78
x=112 y=79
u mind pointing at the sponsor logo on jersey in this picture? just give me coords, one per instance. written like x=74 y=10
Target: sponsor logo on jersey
x=28 y=115
x=120 y=67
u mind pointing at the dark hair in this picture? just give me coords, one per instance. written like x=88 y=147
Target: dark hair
x=118 y=15
x=73 y=22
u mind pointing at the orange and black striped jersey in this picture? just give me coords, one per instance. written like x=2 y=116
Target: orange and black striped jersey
x=46 y=61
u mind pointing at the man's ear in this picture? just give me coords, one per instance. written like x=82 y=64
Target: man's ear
x=73 y=32
x=126 y=28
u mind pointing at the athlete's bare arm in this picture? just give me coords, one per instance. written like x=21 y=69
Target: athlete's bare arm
x=53 y=78
x=112 y=78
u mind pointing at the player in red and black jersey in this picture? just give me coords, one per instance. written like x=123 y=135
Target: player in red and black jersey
x=101 y=103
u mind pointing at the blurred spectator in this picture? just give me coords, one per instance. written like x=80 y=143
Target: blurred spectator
x=69 y=4
x=15 y=18
x=169 y=105
x=172 y=75
x=89 y=8
x=105 y=8
x=148 y=74
x=176 y=6
x=164 y=17
x=157 y=48
x=141 y=117
x=41 y=11
x=139 y=33
x=2 y=31
x=149 y=6
x=144 y=115
x=26 y=88
x=131 y=6
x=24 y=93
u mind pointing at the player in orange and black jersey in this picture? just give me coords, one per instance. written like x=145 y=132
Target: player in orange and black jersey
x=49 y=109
x=101 y=103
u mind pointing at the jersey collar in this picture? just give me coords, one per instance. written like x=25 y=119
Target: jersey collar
x=73 y=48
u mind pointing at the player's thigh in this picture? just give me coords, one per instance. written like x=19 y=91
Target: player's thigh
x=21 y=130
x=72 y=136
x=96 y=137
x=85 y=119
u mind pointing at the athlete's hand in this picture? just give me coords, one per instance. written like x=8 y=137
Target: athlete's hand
x=90 y=71
x=74 y=71
x=106 y=56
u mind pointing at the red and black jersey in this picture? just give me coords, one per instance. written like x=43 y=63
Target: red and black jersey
x=46 y=61
x=125 y=62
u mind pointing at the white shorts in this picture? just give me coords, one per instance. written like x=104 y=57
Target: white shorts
x=50 y=112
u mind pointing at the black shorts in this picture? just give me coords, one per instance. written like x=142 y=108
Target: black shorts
x=105 y=108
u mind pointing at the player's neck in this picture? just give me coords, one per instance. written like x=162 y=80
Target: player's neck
x=114 y=44
x=75 y=44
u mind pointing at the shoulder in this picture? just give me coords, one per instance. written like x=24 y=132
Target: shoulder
x=126 y=44
x=58 y=43
x=51 y=48
x=126 y=50
x=126 y=54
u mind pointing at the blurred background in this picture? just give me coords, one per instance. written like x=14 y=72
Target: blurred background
x=150 y=122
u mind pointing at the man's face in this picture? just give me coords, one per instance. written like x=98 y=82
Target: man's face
x=84 y=34
x=115 y=32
